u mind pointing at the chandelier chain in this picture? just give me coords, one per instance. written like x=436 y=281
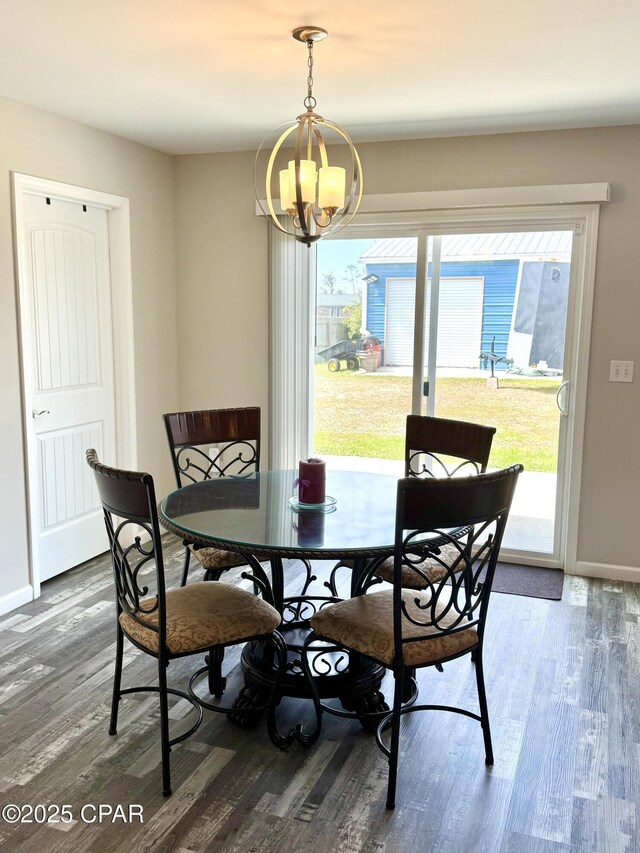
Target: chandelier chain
x=310 y=101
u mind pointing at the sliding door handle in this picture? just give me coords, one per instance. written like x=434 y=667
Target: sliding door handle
x=565 y=385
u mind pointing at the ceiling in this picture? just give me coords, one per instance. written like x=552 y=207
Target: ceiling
x=190 y=76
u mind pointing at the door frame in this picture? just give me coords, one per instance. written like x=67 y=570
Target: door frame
x=118 y=219
x=583 y=219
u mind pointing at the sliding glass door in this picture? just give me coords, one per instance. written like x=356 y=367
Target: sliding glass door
x=470 y=326
x=360 y=399
x=500 y=359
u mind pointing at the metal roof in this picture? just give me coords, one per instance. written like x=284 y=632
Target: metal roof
x=547 y=245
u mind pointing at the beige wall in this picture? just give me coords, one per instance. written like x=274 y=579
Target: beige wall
x=222 y=259
x=37 y=143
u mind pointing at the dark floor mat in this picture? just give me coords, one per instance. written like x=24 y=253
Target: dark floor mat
x=528 y=580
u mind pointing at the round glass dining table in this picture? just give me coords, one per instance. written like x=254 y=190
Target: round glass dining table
x=254 y=516
x=254 y=513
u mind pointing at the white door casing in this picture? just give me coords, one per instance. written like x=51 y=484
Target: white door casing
x=70 y=345
x=88 y=386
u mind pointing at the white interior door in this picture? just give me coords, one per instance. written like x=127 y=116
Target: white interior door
x=69 y=373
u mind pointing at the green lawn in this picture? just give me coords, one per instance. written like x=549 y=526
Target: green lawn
x=364 y=415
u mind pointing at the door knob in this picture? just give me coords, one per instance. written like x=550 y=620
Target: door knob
x=39 y=414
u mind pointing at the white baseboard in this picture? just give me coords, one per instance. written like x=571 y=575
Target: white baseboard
x=15 y=599
x=608 y=571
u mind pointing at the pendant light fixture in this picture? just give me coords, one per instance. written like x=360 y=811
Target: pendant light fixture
x=319 y=196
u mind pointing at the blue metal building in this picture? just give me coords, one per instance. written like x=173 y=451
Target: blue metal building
x=481 y=276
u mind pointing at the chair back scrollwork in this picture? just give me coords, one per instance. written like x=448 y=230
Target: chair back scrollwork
x=434 y=509
x=129 y=504
x=211 y=443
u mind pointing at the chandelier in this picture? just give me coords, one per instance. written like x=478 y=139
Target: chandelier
x=317 y=198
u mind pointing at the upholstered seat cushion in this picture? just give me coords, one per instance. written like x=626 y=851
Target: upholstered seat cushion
x=216 y=558
x=204 y=614
x=410 y=579
x=431 y=567
x=365 y=624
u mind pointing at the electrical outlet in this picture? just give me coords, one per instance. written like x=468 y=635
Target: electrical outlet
x=621 y=371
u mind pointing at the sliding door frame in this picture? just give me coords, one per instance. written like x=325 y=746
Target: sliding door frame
x=583 y=220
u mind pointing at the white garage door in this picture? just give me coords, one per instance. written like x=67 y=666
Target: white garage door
x=459 y=321
x=401 y=299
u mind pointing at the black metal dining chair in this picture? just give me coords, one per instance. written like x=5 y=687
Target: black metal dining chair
x=434 y=448
x=208 y=443
x=408 y=629
x=178 y=622
x=440 y=448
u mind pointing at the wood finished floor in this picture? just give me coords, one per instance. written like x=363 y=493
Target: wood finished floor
x=564 y=696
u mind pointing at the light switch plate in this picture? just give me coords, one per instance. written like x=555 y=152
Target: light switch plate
x=621 y=371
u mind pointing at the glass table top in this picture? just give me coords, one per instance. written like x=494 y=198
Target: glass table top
x=255 y=511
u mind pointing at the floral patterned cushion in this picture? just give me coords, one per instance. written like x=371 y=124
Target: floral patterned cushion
x=201 y=615
x=216 y=558
x=410 y=578
x=431 y=567
x=434 y=570
x=365 y=624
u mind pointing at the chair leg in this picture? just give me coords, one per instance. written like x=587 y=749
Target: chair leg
x=213 y=574
x=409 y=674
x=164 y=727
x=217 y=682
x=468 y=591
x=185 y=567
x=281 y=655
x=117 y=678
x=307 y=740
x=398 y=675
x=484 y=711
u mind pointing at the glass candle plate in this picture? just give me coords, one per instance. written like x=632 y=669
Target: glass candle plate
x=328 y=505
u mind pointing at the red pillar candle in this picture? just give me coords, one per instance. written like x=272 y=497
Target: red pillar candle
x=311 y=481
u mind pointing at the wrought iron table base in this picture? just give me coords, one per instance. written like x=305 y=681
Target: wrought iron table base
x=352 y=679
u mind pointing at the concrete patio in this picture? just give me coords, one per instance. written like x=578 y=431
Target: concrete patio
x=530 y=526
